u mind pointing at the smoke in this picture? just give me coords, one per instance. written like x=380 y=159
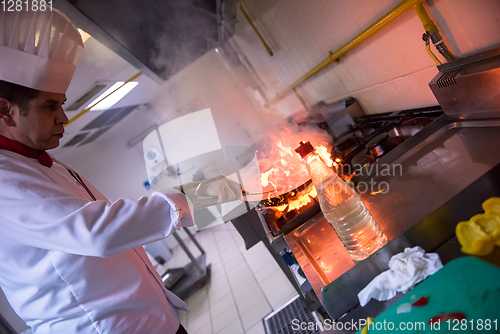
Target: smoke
x=214 y=82
x=189 y=31
x=220 y=80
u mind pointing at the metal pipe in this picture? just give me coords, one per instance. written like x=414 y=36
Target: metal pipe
x=433 y=56
x=429 y=26
x=93 y=105
x=268 y=49
x=387 y=18
x=426 y=38
x=433 y=33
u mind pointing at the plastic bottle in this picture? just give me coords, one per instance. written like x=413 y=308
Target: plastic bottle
x=342 y=207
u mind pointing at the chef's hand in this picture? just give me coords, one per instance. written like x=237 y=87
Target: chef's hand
x=181 y=213
x=220 y=189
x=213 y=191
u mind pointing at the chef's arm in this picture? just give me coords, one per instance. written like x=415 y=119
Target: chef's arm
x=45 y=216
x=129 y=223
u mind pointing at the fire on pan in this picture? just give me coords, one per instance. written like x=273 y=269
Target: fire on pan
x=289 y=179
x=287 y=211
x=286 y=179
x=292 y=196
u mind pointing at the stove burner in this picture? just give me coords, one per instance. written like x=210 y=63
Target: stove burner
x=350 y=146
x=365 y=131
x=404 y=132
x=422 y=121
x=367 y=141
x=373 y=136
x=346 y=144
x=380 y=145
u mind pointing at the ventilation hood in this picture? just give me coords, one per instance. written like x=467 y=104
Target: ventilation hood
x=157 y=37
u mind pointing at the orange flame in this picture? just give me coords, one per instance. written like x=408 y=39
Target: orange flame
x=284 y=150
x=267 y=177
x=323 y=153
x=298 y=203
x=264 y=177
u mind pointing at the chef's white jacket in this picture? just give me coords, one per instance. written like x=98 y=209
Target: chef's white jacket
x=72 y=265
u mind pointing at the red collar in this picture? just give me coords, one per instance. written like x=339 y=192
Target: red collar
x=19 y=148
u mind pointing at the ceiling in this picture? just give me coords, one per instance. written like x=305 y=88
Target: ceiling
x=98 y=69
x=164 y=35
x=157 y=38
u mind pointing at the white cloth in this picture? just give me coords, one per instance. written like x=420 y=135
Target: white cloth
x=406 y=270
x=70 y=265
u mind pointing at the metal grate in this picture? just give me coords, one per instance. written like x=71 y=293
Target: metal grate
x=286 y=320
x=95 y=135
x=448 y=78
x=99 y=125
x=109 y=117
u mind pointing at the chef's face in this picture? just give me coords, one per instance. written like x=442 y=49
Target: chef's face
x=43 y=126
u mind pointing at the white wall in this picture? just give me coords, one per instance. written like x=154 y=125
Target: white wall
x=388 y=72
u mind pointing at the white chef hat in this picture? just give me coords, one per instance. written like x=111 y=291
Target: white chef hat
x=39 y=49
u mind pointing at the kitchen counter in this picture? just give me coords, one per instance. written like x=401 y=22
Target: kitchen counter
x=439 y=182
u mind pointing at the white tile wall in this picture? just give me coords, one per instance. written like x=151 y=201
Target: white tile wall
x=472 y=25
x=390 y=71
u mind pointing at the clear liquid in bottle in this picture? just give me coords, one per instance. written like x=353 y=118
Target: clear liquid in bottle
x=343 y=208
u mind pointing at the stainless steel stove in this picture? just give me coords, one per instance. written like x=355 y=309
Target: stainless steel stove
x=417 y=187
x=373 y=137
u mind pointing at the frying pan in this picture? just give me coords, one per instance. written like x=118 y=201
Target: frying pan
x=287 y=197
x=380 y=145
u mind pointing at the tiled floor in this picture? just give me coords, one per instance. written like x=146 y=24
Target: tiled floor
x=246 y=285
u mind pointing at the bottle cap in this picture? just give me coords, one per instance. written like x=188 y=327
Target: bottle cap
x=304 y=149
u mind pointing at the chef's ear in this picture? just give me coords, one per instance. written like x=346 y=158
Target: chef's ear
x=6 y=112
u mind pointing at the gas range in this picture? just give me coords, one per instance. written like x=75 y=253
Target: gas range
x=371 y=138
x=444 y=164
x=366 y=146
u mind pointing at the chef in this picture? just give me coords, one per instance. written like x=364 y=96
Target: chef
x=70 y=261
